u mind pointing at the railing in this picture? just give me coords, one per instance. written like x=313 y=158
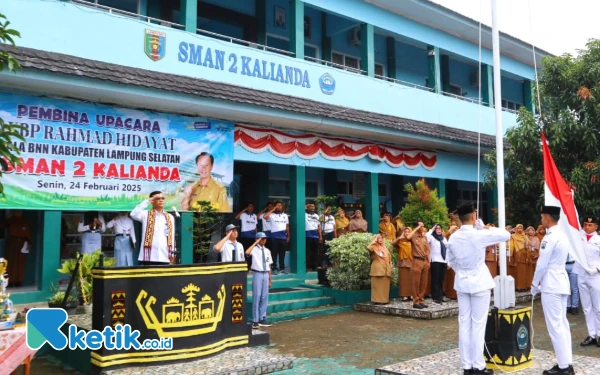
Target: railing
x=334 y=65
x=465 y=98
x=244 y=42
x=404 y=83
x=510 y=110
x=127 y=14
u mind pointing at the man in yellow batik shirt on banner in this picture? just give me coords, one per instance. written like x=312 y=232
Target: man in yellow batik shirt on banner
x=206 y=189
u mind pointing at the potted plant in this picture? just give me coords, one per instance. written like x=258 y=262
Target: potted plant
x=206 y=222
x=84 y=279
x=56 y=300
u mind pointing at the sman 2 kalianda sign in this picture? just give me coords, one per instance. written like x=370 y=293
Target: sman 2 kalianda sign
x=84 y=156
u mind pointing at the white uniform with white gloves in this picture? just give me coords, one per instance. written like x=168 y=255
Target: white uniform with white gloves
x=589 y=284
x=552 y=280
x=473 y=283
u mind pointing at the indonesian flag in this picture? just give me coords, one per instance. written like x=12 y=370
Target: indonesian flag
x=558 y=194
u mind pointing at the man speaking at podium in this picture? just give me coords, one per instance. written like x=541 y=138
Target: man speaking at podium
x=158 y=231
x=473 y=284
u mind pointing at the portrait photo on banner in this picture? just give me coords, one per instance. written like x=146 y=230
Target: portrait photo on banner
x=86 y=156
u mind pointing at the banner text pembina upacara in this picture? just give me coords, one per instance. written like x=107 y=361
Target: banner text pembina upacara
x=89 y=157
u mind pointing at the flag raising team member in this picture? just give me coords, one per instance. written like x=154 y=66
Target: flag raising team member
x=473 y=283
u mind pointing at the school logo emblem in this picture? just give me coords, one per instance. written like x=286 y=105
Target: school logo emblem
x=522 y=337
x=155 y=44
x=590 y=219
x=327 y=84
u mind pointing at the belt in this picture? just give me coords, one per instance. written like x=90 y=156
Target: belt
x=571 y=262
x=253 y=270
x=419 y=258
x=121 y=235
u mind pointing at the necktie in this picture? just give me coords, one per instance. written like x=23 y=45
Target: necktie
x=263 y=258
x=234 y=253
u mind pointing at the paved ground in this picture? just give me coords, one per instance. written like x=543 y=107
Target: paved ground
x=355 y=343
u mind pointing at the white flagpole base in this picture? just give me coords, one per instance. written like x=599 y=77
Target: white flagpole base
x=504 y=292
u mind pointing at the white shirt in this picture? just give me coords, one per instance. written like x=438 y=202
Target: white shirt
x=91 y=242
x=311 y=222
x=266 y=224
x=159 y=252
x=550 y=269
x=279 y=222
x=123 y=225
x=436 y=248
x=257 y=258
x=466 y=255
x=592 y=255
x=249 y=222
x=228 y=249
x=328 y=224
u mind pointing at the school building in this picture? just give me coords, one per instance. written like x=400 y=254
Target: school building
x=351 y=98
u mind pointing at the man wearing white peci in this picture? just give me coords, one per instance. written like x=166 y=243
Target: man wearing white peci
x=473 y=284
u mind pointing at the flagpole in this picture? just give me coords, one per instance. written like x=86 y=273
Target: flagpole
x=501 y=295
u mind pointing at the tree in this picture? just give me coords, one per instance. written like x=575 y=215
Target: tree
x=8 y=132
x=424 y=205
x=569 y=89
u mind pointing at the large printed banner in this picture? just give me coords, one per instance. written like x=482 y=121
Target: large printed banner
x=83 y=156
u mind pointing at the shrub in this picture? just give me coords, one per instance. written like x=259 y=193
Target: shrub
x=352 y=263
x=425 y=205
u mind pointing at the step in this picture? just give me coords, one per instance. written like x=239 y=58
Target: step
x=282 y=306
x=288 y=282
x=286 y=294
x=307 y=313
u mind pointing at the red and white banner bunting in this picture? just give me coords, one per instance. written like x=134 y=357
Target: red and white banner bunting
x=309 y=146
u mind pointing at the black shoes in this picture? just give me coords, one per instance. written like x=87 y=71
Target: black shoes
x=589 y=341
x=557 y=370
x=568 y=310
x=575 y=310
x=467 y=372
x=264 y=323
x=424 y=305
x=254 y=325
x=439 y=302
x=417 y=306
x=485 y=371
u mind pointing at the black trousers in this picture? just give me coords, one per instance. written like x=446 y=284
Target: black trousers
x=326 y=237
x=438 y=274
x=278 y=248
x=312 y=249
x=148 y=263
x=246 y=243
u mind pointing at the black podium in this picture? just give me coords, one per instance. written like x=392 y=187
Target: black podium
x=507 y=337
x=201 y=307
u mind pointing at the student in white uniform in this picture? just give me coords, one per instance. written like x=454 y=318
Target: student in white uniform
x=313 y=236
x=231 y=250
x=438 y=245
x=91 y=226
x=551 y=279
x=280 y=236
x=158 y=231
x=329 y=233
x=248 y=221
x=589 y=284
x=473 y=284
x=124 y=239
x=261 y=280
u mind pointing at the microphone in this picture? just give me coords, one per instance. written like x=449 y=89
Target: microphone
x=176 y=213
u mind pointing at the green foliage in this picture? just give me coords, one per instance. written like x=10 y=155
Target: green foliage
x=8 y=132
x=570 y=93
x=205 y=223
x=58 y=297
x=87 y=262
x=424 y=205
x=352 y=262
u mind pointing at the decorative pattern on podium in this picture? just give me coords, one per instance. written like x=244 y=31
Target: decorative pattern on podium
x=200 y=307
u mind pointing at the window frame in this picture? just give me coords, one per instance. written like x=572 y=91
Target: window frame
x=316 y=47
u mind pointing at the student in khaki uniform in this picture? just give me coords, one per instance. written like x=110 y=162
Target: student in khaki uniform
x=206 y=189
x=386 y=228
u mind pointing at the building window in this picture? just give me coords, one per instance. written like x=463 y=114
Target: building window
x=513 y=106
x=379 y=70
x=470 y=196
x=354 y=62
x=383 y=190
x=279 y=190
x=344 y=187
x=284 y=45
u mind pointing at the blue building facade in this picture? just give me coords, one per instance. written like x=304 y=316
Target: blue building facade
x=351 y=98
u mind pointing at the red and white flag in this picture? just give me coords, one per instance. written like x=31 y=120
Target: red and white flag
x=557 y=193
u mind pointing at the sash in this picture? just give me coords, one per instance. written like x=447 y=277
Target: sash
x=149 y=235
